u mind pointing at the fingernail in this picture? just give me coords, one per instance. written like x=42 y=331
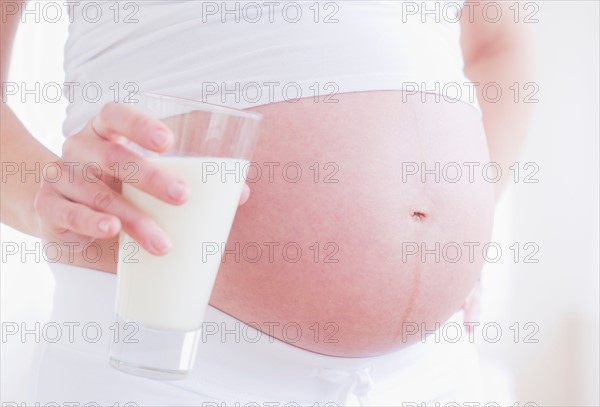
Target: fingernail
x=160 y=138
x=104 y=225
x=178 y=190
x=160 y=242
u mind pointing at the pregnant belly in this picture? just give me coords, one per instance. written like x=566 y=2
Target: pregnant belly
x=343 y=248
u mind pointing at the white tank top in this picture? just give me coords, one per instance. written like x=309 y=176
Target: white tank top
x=250 y=53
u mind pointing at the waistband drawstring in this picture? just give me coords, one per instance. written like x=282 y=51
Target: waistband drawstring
x=355 y=382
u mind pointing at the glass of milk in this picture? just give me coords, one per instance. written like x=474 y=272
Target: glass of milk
x=161 y=300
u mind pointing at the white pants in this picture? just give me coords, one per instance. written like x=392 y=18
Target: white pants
x=240 y=365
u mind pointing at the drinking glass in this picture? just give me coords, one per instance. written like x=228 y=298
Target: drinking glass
x=161 y=300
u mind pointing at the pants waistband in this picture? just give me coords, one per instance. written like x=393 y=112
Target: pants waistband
x=247 y=366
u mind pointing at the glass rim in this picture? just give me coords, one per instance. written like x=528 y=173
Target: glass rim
x=204 y=106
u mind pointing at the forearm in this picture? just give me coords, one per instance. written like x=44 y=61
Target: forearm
x=501 y=53
x=505 y=120
x=22 y=159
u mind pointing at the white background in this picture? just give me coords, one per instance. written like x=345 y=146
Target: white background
x=560 y=294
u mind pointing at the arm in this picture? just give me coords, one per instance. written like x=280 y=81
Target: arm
x=78 y=211
x=17 y=146
x=500 y=52
x=75 y=209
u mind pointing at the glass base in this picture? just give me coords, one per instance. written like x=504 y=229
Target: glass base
x=148 y=372
x=152 y=353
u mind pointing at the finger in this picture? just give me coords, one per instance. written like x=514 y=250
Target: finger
x=245 y=195
x=471 y=316
x=63 y=215
x=99 y=197
x=472 y=307
x=120 y=119
x=120 y=163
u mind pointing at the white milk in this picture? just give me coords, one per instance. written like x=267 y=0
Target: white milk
x=171 y=292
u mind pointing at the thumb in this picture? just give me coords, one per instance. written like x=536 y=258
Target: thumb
x=245 y=194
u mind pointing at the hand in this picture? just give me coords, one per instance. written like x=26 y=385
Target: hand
x=472 y=307
x=78 y=204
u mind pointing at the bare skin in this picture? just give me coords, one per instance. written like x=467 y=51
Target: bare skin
x=363 y=222
x=371 y=292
